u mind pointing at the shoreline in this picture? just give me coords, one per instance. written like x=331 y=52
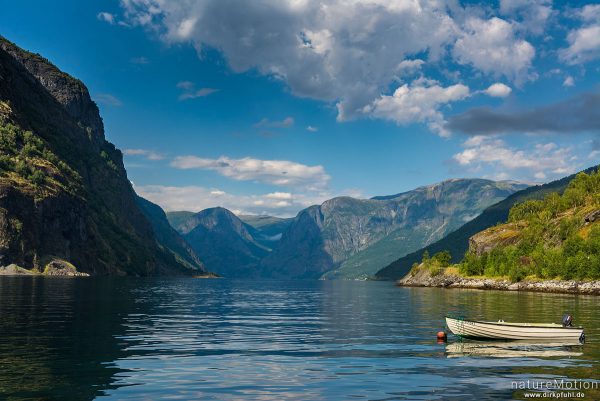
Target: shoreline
x=423 y=278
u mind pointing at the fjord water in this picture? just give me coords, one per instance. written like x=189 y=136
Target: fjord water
x=185 y=339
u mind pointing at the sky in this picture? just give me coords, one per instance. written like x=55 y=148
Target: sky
x=270 y=106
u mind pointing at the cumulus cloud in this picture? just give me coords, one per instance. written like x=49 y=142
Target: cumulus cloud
x=189 y=91
x=275 y=172
x=266 y=123
x=532 y=15
x=584 y=42
x=420 y=102
x=311 y=128
x=491 y=153
x=410 y=66
x=106 y=17
x=108 y=100
x=148 y=154
x=498 y=90
x=492 y=47
x=196 y=198
x=580 y=113
x=568 y=82
x=324 y=50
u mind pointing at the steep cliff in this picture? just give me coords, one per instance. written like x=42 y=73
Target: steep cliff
x=167 y=237
x=64 y=193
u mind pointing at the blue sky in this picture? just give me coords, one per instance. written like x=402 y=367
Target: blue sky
x=270 y=106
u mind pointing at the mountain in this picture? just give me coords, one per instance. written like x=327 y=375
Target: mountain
x=167 y=236
x=177 y=219
x=457 y=242
x=65 y=199
x=353 y=238
x=225 y=242
x=266 y=230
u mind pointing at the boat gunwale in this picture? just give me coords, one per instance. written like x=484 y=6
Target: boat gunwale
x=507 y=324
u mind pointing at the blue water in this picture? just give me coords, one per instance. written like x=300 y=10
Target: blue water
x=186 y=339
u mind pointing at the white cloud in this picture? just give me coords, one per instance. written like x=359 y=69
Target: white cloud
x=410 y=66
x=107 y=99
x=491 y=153
x=148 y=154
x=266 y=123
x=584 y=42
x=420 y=102
x=279 y=195
x=532 y=15
x=322 y=49
x=492 y=47
x=190 y=91
x=275 y=172
x=351 y=52
x=196 y=198
x=498 y=90
x=568 y=82
x=311 y=128
x=185 y=85
x=106 y=17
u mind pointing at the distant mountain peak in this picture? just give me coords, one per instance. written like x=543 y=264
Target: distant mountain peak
x=356 y=237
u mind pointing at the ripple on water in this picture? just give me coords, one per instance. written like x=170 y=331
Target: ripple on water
x=222 y=340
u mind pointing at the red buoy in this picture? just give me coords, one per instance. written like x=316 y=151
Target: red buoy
x=441 y=336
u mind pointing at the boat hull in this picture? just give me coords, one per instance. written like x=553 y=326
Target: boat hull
x=513 y=331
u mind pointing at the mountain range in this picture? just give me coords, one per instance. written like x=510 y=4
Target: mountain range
x=66 y=203
x=344 y=237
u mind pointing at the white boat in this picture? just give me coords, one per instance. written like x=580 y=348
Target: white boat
x=501 y=330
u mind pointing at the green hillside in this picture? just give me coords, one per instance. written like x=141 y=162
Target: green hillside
x=457 y=242
x=555 y=237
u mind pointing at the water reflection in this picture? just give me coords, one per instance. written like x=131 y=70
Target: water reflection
x=221 y=340
x=56 y=338
x=514 y=349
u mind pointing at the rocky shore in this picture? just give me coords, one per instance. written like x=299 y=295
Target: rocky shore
x=56 y=268
x=423 y=278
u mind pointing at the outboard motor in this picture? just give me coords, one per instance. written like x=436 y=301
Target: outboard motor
x=567 y=320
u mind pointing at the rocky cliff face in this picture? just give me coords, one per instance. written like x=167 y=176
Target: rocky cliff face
x=225 y=243
x=486 y=240
x=354 y=238
x=167 y=237
x=64 y=193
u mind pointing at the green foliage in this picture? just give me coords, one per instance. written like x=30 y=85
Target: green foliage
x=551 y=243
x=37 y=178
x=457 y=241
x=437 y=263
x=29 y=157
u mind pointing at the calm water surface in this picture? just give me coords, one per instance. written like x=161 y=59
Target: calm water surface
x=186 y=339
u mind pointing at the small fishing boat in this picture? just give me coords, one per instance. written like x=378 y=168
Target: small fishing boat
x=502 y=330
